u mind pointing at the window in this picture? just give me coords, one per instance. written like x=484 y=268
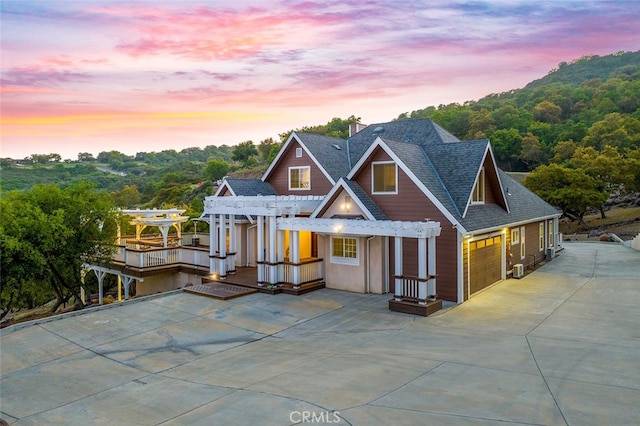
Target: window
x=344 y=250
x=551 y=239
x=478 y=191
x=515 y=236
x=298 y=152
x=385 y=178
x=300 y=178
x=541 y=238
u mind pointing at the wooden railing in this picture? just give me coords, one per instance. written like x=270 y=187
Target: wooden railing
x=146 y=258
x=307 y=271
x=414 y=289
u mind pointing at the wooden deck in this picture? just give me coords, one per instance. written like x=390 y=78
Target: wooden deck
x=248 y=277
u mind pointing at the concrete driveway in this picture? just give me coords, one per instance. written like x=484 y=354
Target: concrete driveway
x=561 y=346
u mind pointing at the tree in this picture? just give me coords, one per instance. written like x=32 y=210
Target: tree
x=59 y=230
x=572 y=190
x=506 y=145
x=244 y=153
x=264 y=148
x=127 y=197
x=531 y=154
x=615 y=130
x=85 y=156
x=563 y=151
x=547 y=112
x=215 y=170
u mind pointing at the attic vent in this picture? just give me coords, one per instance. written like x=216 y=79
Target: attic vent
x=378 y=129
x=336 y=146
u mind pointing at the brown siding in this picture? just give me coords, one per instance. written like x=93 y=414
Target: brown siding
x=532 y=247
x=410 y=204
x=493 y=191
x=279 y=176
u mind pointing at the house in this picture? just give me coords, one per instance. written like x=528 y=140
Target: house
x=403 y=207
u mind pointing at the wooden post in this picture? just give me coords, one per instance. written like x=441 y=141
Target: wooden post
x=294 y=249
x=273 y=271
x=222 y=247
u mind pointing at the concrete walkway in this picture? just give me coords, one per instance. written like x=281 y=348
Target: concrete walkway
x=561 y=346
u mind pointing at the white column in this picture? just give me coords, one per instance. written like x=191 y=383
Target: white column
x=127 y=283
x=280 y=257
x=273 y=267
x=222 y=247
x=294 y=250
x=260 y=253
x=422 y=270
x=398 y=267
x=212 y=244
x=232 y=243
x=100 y=275
x=431 y=264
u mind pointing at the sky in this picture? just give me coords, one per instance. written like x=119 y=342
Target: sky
x=147 y=76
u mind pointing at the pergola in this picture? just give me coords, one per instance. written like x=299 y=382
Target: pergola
x=164 y=219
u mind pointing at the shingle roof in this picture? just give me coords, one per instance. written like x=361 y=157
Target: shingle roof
x=330 y=152
x=366 y=200
x=416 y=131
x=417 y=160
x=457 y=164
x=250 y=187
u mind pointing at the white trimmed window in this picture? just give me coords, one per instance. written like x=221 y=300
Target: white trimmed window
x=541 y=236
x=300 y=178
x=478 y=191
x=344 y=250
x=515 y=236
x=384 y=177
x=298 y=152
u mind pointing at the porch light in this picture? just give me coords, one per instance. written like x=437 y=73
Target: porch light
x=337 y=228
x=347 y=203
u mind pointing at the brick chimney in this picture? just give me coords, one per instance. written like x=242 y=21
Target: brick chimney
x=355 y=128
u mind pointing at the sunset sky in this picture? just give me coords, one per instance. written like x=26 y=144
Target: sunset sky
x=92 y=76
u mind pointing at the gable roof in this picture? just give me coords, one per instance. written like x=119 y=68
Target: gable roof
x=458 y=165
x=328 y=153
x=358 y=195
x=249 y=187
x=524 y=206
x=415 y=131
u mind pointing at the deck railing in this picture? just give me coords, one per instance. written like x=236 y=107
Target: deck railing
x=307 y=271
x=147 y=258
x=414 y=289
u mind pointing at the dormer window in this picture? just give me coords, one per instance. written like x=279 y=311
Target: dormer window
x=478 y=191
x=384 y=176
x=300 y=178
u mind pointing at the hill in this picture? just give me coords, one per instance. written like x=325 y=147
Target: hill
x=590 y=102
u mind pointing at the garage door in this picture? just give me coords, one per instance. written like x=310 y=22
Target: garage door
x=485 y=262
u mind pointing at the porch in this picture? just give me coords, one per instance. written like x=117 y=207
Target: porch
x=309 y=270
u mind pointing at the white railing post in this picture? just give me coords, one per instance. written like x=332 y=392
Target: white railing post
x=432 y=268
x=294 y=248
x=422 y=270
x=398 y=267
x=260 y=251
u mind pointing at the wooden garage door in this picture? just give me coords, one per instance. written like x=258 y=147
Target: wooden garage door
x=485 y=262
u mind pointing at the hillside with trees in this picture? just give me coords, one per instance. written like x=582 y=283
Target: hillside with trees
x=583 y=116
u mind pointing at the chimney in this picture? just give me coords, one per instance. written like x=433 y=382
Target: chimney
x=355 y=128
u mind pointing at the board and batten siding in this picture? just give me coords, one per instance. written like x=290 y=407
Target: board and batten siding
x=410 y=204
x=279 y=176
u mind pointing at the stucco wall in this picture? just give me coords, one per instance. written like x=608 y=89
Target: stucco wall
x=344 y=277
